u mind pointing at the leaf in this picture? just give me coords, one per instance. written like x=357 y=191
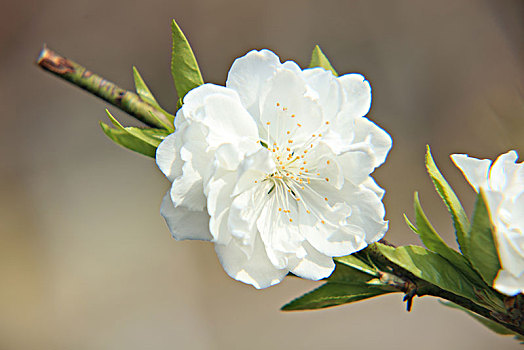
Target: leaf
x=146 y=95
x=123 y=138
x=150 y=136
x=460 y=219
x=144 y=141
x=430 y=267
x=356 y=263
x=333 y=294
x=482 y=252
x=434 y=242
x=184 y=66
x=410 y=224
x=318 y=59
x=494 y=326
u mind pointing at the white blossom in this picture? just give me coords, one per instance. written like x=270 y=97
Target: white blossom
x=274 y=168
x=503 y=186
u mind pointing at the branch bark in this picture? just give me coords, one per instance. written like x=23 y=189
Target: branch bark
x=74 y=73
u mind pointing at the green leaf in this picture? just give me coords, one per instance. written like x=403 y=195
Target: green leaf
x=494 y=326
x=184 y=66
x=144 y=141
x=318 y=59
x=333 y=294
x=434 y=242
x=460 y=219
x=430 y=267
x=482 y=252
x=356 y=263
x=123 y=138
x=410 y=224
x=146 y=95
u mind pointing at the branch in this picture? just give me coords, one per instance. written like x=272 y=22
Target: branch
x=127 y=101
x=409 y=284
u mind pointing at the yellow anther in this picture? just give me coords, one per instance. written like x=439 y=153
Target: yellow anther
x=313 y=135
x=278 y=104
x=305 y=151
x=307 y=211
x=288 y=149
x=256 y=181
x=325 y=198
x=319 y=135
x=299 y=125
x=268 y=123
x=327 y=123
x=290 y=220
x=322 y=221
x=292 y=116
x=327 y=178
x=290 y=141
x=279 y=209
x=288 y=132
x=328 y=162
x=301 y=168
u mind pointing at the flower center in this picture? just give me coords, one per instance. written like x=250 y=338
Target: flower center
x=297 y=164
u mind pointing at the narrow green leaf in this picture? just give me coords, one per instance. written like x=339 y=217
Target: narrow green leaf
x=142 y=89
x=184 y=66
x=146 y=95
x=356 y=263
x=123 y=138
x=434 y=242
x=482 y=252
x=333 y=294
x=410 y=224
x=150 y=136
x=460 y=219
x=494 y=326
x=430 y=267
x=318 y=59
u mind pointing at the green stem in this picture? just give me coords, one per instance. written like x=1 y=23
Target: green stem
x=127 y=101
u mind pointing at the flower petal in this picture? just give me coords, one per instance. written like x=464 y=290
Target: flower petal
x=327 y=86
x=287 y=106
x=256 y=270
x=184 y=223
x=358 y=94
x=508 y=284
x=167 y=158
x=187 y=190
x=314 y=265
x=248 y=74
x=474 y=170
x=502 y=171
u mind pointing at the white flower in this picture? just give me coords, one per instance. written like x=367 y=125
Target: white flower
x=274 y=168
x=503 y=185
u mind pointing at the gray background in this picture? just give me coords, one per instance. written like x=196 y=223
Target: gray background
x=86 y=261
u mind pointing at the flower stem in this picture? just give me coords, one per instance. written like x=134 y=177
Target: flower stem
x=127 y=101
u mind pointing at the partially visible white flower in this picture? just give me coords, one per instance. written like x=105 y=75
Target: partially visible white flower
x=274 y=168
x=503 y=185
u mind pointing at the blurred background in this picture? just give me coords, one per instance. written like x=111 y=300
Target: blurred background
x=86 y=261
